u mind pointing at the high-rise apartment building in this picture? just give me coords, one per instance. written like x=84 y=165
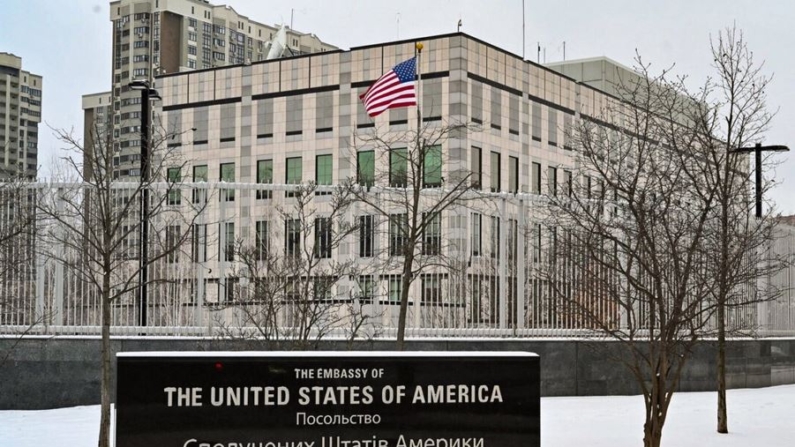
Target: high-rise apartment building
x=97 y=122
x=152 y=37
x=20 y=115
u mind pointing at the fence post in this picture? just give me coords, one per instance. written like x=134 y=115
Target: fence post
x=502 y=260
x=57 y=312
x=521 y=248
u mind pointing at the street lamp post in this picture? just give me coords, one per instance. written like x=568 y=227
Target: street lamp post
x=147 y=94
x=757 y=150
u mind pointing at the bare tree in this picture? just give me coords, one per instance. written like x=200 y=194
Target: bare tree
x=633 y=232
x=406 y=186
x=95 y=227
x=734 y=116
x=17 y=258
x=292 y=294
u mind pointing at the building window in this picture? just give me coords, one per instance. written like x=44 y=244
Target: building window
x=192 y=22
x=174 y=194
x=292 y=240
x=264 y=176
x=432 y=167
x=324 y=112
x=366 y=236
x=366 y=285
x=261 y=242
x=567 y=183
x=495 y=237
x=226 y=246
x=398 y=233
x=535 y=240
x=365 y=168
x=323 y=172
x=173 y=233
x=227 y=176
x=587 y=186
x=192 y=36
x=322 y=238
x=496 y=172
x=513 y=174
x=431 y=289
x=265 y=118
x=476 y=108
x=496 y=108
x=536 y=179
x=295 y=115
x=140 y=72
x=513 y=115
x=294 y=174
x=395 y=289
x=476 y=234
x=398 y=167
x=322 y=287
x=552 y=179
x=141 y=44
x=200 y=175
x=192 y=50
x=536 y=122
x=568 y=137
x=553 y=127
x=477 y=167
x=483 y=304
x=432 y=235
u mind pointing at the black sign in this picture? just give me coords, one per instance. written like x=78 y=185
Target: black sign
x=358 y=399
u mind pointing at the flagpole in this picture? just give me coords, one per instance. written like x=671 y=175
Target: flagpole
x=418 y=51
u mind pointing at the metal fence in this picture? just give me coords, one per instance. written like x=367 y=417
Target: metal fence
x=206 y=240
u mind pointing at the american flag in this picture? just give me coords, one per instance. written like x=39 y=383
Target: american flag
x=392 y=90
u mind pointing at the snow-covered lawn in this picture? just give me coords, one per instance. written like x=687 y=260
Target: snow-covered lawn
x=758 y=417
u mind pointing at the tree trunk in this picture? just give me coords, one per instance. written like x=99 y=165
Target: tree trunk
x=652 y=429
x=723 y=421
x=652 y=433
x=404 y=298
x=723 y=292
x=104 y=422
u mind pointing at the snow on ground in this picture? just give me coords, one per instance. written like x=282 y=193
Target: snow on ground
x=757 y=417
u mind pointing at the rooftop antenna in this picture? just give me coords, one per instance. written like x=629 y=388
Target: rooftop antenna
x=564 y=51
x=538 y=53
x=292 y=12
x=460 y=24
x=397 y=18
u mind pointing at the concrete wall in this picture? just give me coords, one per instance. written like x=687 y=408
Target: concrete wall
x=59 y=372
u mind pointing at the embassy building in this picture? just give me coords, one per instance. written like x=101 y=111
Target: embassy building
x=297 y=120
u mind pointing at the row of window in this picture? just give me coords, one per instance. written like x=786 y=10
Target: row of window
x=495 y=184
x=398 y=172
x=368 y=291
x=430 y=244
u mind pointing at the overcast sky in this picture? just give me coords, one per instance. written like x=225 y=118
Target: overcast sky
x=69 y=42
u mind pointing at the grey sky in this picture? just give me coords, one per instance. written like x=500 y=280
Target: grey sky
x=69 y=42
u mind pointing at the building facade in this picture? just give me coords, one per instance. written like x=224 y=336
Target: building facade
x=152 y=37
x=20 y=115
x=299 y=120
